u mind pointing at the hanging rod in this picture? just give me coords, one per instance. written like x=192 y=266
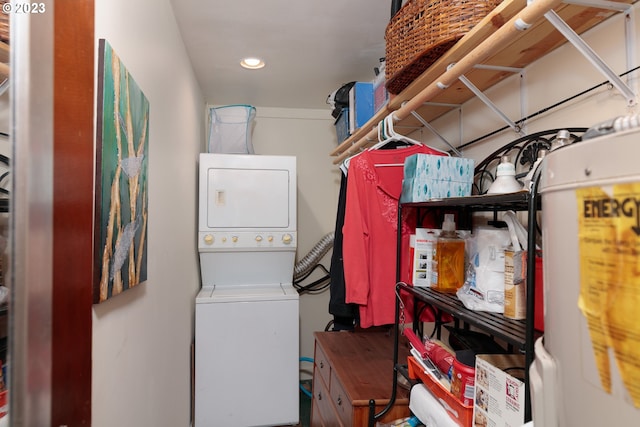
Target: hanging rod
x=496 y=41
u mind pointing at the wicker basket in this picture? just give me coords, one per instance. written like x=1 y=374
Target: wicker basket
x=422 y=31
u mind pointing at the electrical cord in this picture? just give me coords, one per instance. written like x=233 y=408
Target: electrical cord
x=315 y=287
x=329 y=325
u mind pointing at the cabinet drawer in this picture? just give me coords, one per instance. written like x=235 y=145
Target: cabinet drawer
x=323 y=413
x=322 y=365
x=316 y=418
x=341 y=401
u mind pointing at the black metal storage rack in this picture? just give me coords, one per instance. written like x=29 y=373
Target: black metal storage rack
x=520 y=335
x=517 y=333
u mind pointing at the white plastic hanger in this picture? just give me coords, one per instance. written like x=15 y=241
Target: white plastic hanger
x=390 y=135
x=387 y=134
x=344 y=166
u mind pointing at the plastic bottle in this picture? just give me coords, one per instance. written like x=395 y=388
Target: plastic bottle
x=505 y=178
x=563 y=137
x=448 y=268
x=528 y=179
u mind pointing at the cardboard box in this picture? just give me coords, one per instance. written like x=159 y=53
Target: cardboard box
x=429 y=176
x=423 y=250
x=500 y=395
x=515 y=288
x=515 y=284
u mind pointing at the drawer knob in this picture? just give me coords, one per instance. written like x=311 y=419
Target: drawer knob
x=321 y=365
x=339 y=401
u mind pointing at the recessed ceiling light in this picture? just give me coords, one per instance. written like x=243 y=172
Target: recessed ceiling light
x=252 y=63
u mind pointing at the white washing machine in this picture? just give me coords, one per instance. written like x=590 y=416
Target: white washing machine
x=247 y=356
x=247 y=312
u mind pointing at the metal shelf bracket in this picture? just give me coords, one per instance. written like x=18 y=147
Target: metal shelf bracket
x=485 y=99
x=588 y=52
x=435 y=132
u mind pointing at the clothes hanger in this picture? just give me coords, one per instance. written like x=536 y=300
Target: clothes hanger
x=392 y=136
x=344 y=166
x=386 y=134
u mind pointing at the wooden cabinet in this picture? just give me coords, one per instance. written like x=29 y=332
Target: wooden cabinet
x=350 y=369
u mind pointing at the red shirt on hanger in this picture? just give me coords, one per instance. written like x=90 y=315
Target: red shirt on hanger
x=374 y=186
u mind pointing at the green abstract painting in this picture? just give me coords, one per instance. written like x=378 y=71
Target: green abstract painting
x=122 y=147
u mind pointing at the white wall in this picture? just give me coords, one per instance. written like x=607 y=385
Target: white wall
x=142 y=338
x=309 y=135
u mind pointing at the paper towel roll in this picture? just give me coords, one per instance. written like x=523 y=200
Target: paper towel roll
x=428 y=409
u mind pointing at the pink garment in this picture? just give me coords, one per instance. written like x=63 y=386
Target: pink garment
x=369 y=231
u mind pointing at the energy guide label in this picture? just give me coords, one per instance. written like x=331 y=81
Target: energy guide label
x=609 y=246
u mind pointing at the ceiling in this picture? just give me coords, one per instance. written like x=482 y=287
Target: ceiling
x=311 y=47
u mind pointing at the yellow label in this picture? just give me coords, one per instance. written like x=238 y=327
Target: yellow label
x=609 y=245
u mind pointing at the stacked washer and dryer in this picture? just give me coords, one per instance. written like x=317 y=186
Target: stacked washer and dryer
x=247 y=312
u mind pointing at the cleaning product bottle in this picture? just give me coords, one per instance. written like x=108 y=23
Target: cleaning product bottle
x=448 y=267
